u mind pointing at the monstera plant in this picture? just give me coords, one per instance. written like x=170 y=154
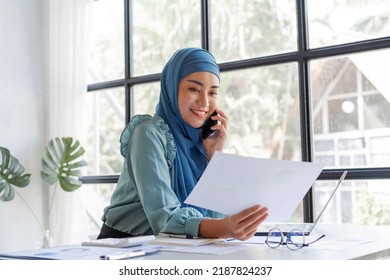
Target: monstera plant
x=61 y=163
x=11 y=174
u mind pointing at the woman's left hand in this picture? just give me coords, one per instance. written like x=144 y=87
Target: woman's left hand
x=217 y=140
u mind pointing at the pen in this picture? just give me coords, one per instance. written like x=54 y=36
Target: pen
x=182 y=236
x=123 y=256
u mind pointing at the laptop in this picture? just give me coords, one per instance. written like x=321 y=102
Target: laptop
x=306 y=228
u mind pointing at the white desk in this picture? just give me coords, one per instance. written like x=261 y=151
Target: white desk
x=335 y=267
x=377 y=247
x=341 y=242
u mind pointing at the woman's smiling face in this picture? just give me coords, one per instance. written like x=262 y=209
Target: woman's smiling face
x=197 y=97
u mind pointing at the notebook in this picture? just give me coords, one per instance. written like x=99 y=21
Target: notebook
x=306 y=228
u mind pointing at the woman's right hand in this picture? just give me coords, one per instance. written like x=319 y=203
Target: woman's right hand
x=217 y=140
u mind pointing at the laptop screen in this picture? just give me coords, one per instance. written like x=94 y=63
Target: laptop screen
x=331 y=196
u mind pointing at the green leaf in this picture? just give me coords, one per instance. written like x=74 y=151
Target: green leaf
x=11 y=174
x=62 y=162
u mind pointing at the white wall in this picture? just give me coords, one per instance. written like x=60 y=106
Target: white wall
x=22 y=116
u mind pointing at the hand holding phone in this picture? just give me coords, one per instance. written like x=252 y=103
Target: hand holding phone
x=206 y=130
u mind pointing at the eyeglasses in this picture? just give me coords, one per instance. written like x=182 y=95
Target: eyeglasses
x=294 y=239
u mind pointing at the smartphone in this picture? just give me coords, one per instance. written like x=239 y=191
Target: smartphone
x=206 y=130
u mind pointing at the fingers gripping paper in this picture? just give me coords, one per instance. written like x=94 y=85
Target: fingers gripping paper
x=232 y=183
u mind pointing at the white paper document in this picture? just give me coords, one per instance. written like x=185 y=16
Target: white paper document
x=232 y=183
x=76 y=252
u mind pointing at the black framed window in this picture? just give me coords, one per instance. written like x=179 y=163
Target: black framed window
x=300 y=81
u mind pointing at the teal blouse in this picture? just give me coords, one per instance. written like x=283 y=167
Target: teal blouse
x=143 y=201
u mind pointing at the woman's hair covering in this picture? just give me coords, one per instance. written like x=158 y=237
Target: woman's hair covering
x=191 y=159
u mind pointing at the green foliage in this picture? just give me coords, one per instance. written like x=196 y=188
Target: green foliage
x=373 y=208
x=61 y=162
x=11 y=174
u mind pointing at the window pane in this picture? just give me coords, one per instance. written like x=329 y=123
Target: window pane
x=356 y=202
x=96 y=198
x=161 y=27
x=105 y=121
x=351 y=109
x=262 y=106
x=251 y=28
x=343 y=21
x=145 y=98
x=106 y=48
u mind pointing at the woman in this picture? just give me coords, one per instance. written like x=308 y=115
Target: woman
x=165 y=156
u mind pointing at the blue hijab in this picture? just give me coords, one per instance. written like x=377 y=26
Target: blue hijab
x=191 y=159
